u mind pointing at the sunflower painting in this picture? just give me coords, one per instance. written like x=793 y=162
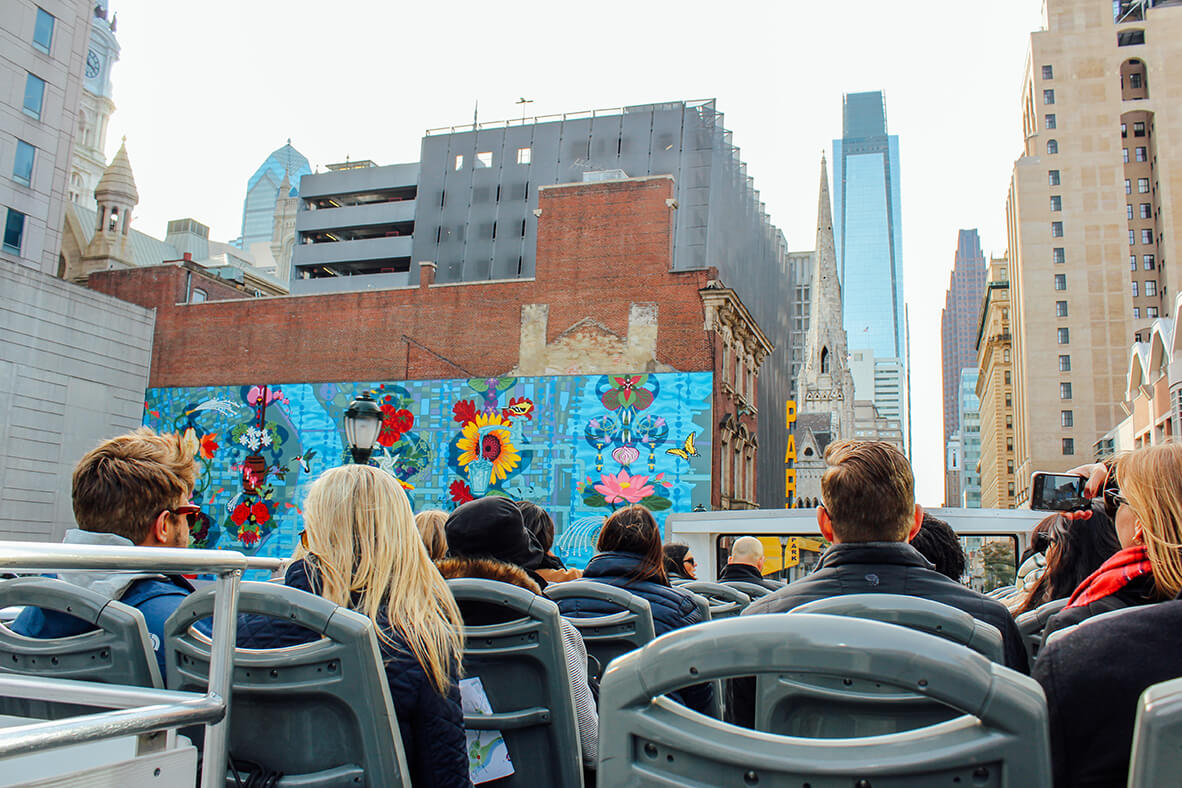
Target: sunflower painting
x=481 y=440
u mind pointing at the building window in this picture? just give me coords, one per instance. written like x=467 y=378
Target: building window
x=484 y=159
x=1132 y=262
x=1146 y=235
x=1048 y=72
x=1140 y=153
x=1009 y=422
x=1010 y=490
x=1005 y=355
x=524 y=155
x=1009 y=444
x=1066 y=418
x=1064 y=391
x=14 y=231
x=1056 y=229
x=22 y=163
x=1132 y=237
x=198 y=296
x=1128 y=186
x=1048 y=96
x=459 y=165
x=1137 y=316
x=1150 y=287
x=1069 y=446
x=1124 y=131
x=1060 y=309
x=1128 y=211
x=1135 y=81
x=1064 y=362
x=1134 y=289
x=1148 y=262
x=1124 y=155
x=1151 y=311
x=1064 y=336
x=1139 y=129
x=1009 y=400
x=1057 y=203
x=1010 y=467
x=1060 y=281
x=1053 y=177
x=1052 y=146
x=1059 y=255
x=1048 y=122
x=1007 y=377
x=34 y=95
x=43 y=30
x=1146 y=211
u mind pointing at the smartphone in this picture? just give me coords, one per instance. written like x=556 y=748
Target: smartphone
x=1058 y=492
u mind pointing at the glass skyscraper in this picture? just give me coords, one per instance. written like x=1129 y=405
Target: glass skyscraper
x=869 y=238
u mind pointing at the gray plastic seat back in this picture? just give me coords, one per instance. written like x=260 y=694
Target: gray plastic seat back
x=843 y=706
x=513 y=644
x=1156 y=758
x=646 y=740
x=319 y=712
x=607 y=637
x=1096 y=619
x=725 y=601
x=1032 y=623
x=752 y=590
x=117 y=651
x=1001 y=591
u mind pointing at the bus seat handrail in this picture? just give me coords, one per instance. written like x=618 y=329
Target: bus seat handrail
x=41 y=557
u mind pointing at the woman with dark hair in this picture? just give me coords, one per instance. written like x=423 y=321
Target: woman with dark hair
x=630 y=556
x=1077 y=548
x=541 y=526
x=679 y=563
x=937 y=542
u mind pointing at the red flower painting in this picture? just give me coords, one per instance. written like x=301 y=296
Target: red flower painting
x=395 y=422
x=460 y=492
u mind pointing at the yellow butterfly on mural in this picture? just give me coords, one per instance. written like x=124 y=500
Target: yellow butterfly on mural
x=688 y=451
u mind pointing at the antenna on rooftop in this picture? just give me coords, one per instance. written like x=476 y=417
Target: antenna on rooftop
x=523 y=101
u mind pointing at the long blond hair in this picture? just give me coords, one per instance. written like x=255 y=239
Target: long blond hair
x=430 y=524
x=1151 y=480
x=359 y=526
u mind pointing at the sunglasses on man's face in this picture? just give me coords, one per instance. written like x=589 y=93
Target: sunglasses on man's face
x=190 y=511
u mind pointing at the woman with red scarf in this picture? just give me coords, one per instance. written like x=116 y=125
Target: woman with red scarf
x=1094 y=675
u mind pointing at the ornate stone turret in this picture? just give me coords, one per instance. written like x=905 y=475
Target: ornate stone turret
x=826 y=384
x=116 y=196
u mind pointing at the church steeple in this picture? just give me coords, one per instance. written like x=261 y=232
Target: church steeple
x=826 y=384
x=116 y=194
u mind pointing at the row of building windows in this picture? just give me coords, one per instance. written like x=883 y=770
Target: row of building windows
x=1146 y=236
x=32 y=105
x=1147 y=261
x=1142 y=186
x=1150 y=288
x=484 y=159
x=1139 y=154
x=1146 y=210
x=1138 y=129
x=1150 y=312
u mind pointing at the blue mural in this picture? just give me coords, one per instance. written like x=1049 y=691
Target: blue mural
x=579 y=446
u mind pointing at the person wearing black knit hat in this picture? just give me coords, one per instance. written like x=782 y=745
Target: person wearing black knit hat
x=487 y=540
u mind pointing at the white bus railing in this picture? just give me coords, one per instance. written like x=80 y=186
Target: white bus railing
x=138 y=710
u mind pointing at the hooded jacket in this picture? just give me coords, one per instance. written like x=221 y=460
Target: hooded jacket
x=156 y=596
x=431 y=724
x=878 y=568
x=572 y=642
x=672 y=609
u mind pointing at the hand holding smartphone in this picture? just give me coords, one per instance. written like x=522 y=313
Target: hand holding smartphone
x=1058 y=492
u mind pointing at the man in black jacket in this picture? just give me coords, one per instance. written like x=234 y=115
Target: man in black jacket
x=869 y=515
x=1093 y=678
x=745 y=564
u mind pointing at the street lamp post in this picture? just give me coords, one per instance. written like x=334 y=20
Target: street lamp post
x=363 y=422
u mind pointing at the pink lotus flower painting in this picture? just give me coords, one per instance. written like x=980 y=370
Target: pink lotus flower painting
x=621 y=487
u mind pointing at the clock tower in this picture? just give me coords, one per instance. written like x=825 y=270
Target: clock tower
x=96 y=107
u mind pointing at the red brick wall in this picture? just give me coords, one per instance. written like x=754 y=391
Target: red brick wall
x=159 y=285
x=601 y=247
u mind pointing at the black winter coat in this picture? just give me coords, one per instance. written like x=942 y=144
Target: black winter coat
x=672 y=609
x=1138 y=592
x=878 y=568
x=431 y=724
x=1093 y=678
x=748 y=574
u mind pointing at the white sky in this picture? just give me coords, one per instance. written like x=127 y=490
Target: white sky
x=205 y=91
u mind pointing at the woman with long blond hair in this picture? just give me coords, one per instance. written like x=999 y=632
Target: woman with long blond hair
x=430 y=524
x=360 y=548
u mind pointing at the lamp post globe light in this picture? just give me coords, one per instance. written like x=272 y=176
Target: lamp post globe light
x=363 y=422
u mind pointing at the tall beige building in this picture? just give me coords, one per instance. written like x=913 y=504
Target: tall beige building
x=1091 y=208
x=995 y=390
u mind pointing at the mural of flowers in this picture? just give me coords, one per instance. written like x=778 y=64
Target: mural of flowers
x=460 y=492
x=395 y=422
x=494 y=445
x=624 y=488
x=628 y=391
x=250 y=516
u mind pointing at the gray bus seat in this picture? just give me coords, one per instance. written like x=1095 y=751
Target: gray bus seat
x=1096 y=619
x=320 y=712
x=1156 y=758
x=725 y=601
x=608 y=636
x=513 y=644
x=752 y=590
x=117 y=651
x=842 y=706
x=1001 y=591
x=1000 y=739
x=1032 y=623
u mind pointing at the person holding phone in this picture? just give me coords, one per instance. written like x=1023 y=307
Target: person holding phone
x=1094 y=675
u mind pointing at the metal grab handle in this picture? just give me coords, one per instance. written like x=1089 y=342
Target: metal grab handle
x=507 y=720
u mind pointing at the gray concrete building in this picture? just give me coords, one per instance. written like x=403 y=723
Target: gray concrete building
x=42 y=49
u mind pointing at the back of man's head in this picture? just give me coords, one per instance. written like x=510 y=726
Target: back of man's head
x=122 y=485
x=746 y=550
x=869 y=492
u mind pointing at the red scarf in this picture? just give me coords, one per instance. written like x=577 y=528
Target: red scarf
x=1114 y=574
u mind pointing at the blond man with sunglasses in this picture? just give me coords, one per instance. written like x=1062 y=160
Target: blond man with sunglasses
x=135 y=489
